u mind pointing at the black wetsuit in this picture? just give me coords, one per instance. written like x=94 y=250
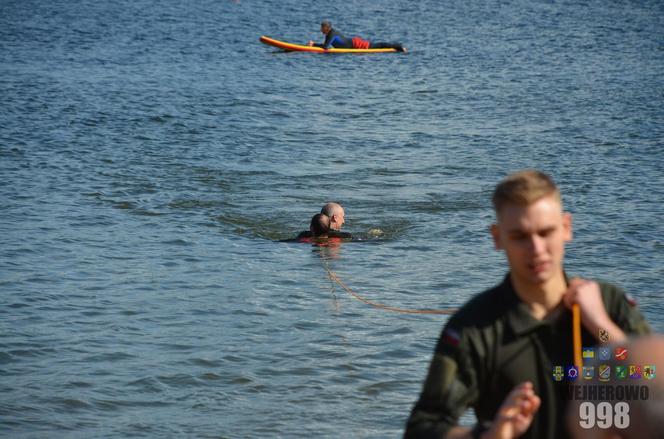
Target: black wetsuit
x=307 y=236
x=336 y=39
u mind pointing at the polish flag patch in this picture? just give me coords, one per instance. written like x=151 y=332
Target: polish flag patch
x=451 y=336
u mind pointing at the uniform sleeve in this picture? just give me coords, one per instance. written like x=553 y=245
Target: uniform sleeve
x=449 y=389
x=624 y=311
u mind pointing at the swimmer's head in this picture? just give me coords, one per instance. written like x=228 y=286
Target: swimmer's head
x=336 y=214
x=320 y=225
x=325 y=26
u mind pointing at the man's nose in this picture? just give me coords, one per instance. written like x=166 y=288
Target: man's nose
x=537 y=244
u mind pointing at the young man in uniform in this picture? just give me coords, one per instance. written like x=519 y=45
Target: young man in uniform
x=497 y=353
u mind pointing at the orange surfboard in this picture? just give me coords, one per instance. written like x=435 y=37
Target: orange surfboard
x=290 y=47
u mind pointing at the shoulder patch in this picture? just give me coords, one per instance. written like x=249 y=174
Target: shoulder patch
x=630 y=299
x=451 y=337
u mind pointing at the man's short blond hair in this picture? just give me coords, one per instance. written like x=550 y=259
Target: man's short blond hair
x=523 y=188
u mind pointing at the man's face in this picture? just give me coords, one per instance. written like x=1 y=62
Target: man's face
x=324 y=29
x=533 y=238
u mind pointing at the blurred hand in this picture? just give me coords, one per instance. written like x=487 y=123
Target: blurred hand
x=310 y=43
x=587 y=295
x=516 y=414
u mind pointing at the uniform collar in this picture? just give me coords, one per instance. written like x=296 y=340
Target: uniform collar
x=518 y=314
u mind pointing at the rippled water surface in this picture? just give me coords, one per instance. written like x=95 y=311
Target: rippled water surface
x=153 y=153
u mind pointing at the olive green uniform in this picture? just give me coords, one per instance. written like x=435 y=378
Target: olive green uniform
x=491 y=345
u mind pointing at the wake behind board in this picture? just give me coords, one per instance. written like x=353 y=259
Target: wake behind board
x=290 y=47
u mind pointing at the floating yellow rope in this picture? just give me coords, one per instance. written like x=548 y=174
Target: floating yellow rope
x=334 y=278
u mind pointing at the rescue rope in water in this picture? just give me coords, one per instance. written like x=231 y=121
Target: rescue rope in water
x=334 y=278
x=576 y=312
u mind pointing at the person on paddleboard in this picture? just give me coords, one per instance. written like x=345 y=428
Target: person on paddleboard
x=503 y=352
x=334 y=38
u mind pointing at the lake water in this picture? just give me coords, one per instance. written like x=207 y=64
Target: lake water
x=152 y=153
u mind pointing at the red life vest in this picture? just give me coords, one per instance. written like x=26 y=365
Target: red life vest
x=321 y=242
x=359 y=43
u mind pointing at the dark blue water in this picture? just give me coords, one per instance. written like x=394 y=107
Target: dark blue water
x=152 y=152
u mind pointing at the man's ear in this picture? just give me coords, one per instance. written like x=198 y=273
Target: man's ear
x=495 y=233
x=567 y=226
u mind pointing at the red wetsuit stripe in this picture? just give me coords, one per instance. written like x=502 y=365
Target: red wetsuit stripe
x=359 y=43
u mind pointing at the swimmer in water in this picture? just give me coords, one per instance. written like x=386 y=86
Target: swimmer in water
x=325 y=225
x=319 y=228
x=337 y=216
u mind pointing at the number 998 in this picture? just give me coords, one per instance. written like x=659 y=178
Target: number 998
x=604 y=415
